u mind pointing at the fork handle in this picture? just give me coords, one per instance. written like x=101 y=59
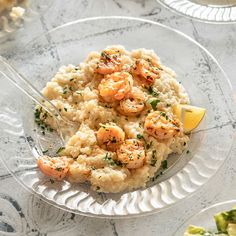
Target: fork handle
x=17 y=79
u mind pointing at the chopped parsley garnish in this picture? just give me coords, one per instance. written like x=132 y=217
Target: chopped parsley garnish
x=104 y=127
x=139 y=136
x=164 y=115
x=153 y=92
x=158 y=175
x=148 y=145
x=79 y=92
x=154 y=103
x=50 y=129
x=110 y=161
x=58 y=169
x=154 y=159
x=37 y=113
x=188 y=152
x=164 y=164
x=40 y=116
x=103 y=54
x=52 y=181
x=60 y=149
x=106 y=56
x=65 y=109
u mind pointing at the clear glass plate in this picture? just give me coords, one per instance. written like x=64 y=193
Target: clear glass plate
x=214 y=11
x=197 y=70
x=205 y=218
x=33 y=9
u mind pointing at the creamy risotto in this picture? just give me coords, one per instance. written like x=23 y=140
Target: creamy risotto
x=11 y=10
x=122 y=103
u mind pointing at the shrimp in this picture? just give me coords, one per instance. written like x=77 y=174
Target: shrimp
x=55 y=167
x=110 y=62
x=147 y=71
x=131 y=153
x=114 y=87
x=162 y=126
x=133 y=104
x=110 y=136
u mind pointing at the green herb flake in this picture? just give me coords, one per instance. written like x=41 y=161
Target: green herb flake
x=188 y=152
x=39 y=119
x=139 y=136
x=58 y=169
x=60 y=149
x=110 y=161
x=65 y=109
x=52 y=181
x=164 y=164
x=103 y=54
x=37 y=113
x=164 y=115
x=153 y=92
x=148 y=145
x=50 y=129
x=154 y=103
x=153 y=160
x=79 y=93
x=104 y=127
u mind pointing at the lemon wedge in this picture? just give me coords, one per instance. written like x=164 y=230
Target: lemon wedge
x=190 y=116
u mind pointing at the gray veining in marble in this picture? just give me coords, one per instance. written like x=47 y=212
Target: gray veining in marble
x=24 y=214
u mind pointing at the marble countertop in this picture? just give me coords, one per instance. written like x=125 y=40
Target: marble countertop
x=21 y=213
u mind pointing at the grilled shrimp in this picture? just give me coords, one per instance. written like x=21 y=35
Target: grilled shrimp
x=55 y=167
x=110 y=136
x=131 y=153
x=146 y=71
x=110 y=62
x=162 y=126
x=133 y=104
x=114 y=87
